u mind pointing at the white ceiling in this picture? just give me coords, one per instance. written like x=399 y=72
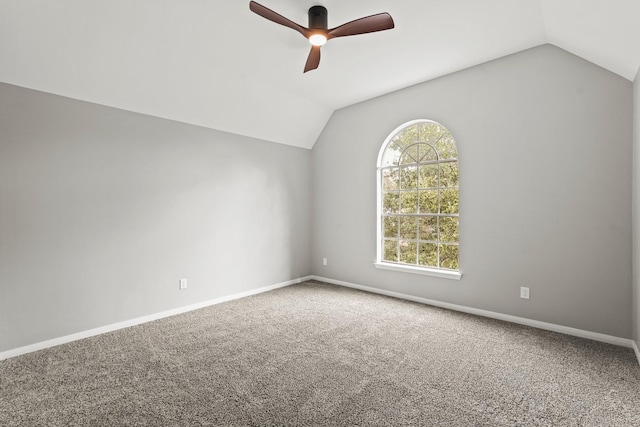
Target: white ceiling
x=216 y=64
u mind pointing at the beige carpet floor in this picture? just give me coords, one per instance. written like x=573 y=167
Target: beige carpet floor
x=317 y=354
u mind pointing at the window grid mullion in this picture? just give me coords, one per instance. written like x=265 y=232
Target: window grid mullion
x=428 y=162
x=403 y=202
x=400 y=187
x=417 y=220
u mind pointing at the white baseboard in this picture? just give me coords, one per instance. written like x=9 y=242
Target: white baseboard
x=624 y=342
x=144 y=319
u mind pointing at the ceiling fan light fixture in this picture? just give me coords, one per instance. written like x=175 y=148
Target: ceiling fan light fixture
x=317 y=39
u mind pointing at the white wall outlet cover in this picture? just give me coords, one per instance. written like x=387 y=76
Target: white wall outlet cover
x=183 y=283
x=324 y=261
x=524 y=292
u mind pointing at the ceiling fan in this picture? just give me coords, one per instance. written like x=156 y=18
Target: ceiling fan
x=318 y=32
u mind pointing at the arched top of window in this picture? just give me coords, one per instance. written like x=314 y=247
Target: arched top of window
x=419 y=141
x=418 y=193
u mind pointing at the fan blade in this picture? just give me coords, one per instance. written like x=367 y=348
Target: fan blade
x=368 y=24
x=313 y=60
x=277 y=18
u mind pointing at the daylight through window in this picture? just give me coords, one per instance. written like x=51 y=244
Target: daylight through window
x=418 y=194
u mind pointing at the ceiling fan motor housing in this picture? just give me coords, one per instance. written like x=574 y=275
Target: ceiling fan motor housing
x=318 y=18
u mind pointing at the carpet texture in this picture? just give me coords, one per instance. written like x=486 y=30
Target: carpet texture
x=317 y=354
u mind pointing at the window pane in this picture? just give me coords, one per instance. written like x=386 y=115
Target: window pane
x=409 y=202
x=428 y=228
x=410 y=155
x=409 y=177
x=390 y=202
x=391 y=155
x=407 y=136
x=431 y=132
x=446 y=147
x=449 y=200
x=408 y=227
x=429 y=201
x=449 y=174
x=390 y=179
x=408 y=252
x=428 y=255
x=390 y=250
x=449 y=256
x=390 y=224
x=427 y=153
x=428 y=176
x=449 y=229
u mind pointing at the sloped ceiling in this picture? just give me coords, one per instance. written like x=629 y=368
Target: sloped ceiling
x=216 y=64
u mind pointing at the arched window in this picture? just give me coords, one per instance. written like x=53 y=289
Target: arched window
x=418 y=194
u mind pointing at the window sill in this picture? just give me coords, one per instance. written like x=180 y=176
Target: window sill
x=446 y=274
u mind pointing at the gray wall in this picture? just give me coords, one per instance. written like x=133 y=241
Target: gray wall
x=545 y=144
x=636 y=209
x=102 y=211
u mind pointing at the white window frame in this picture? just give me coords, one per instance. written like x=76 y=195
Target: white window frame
x=401 y=267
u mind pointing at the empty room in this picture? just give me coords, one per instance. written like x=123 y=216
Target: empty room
x=240 y=213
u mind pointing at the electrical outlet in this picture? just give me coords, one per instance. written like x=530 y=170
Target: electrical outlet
x=324 y=261
x=524 y=292
x=183 y=283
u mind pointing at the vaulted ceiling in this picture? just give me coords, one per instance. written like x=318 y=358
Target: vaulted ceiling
x=216 y=64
